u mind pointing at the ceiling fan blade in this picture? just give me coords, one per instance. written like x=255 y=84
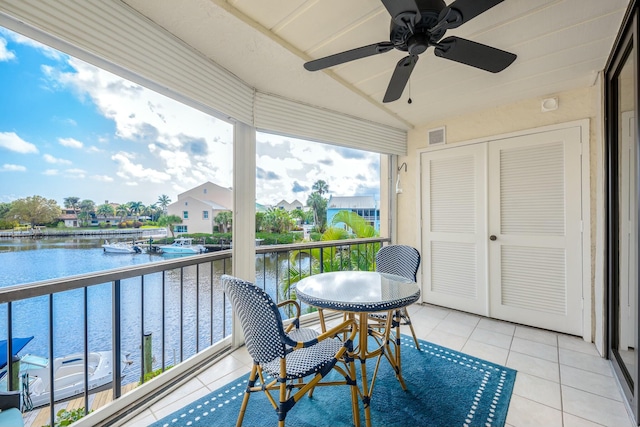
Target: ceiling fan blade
x=349 y=55
x=474 y=54
x=400 y=77
x=403 y=12
x=469 y=9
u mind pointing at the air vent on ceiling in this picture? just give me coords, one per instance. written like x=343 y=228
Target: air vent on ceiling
x=436 y=136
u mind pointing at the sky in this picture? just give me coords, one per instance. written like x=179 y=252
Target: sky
x=68 y=128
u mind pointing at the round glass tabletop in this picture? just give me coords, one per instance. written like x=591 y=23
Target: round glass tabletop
x=357 y=291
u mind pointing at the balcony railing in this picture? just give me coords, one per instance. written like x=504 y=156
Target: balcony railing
x=160 y=314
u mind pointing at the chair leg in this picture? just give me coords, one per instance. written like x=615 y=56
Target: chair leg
x=407 y=319
x=245 y=400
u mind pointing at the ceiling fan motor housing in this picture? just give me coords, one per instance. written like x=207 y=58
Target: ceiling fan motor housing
x=417 y=42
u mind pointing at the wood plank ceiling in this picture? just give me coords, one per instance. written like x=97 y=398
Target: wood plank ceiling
x=561 y=45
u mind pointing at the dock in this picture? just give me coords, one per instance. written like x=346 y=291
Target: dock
x=39 y=417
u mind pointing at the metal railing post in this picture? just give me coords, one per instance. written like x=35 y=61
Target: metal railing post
x=116 y=337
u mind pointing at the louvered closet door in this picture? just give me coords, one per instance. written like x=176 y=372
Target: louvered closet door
x=454 y=228
x=535 y=267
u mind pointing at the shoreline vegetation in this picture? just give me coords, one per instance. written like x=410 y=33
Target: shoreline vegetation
x=214 y=241
x=34 y=233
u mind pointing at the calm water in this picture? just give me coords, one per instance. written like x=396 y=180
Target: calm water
x=26 y=261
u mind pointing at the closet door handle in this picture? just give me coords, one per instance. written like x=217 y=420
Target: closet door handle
x=493 y=237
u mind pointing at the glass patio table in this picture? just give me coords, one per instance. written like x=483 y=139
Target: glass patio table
x=357 y=294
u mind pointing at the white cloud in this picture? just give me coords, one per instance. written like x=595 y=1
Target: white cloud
x=70 y=142
x=11 y=141
x=5 y=54
x=50 y=159
x=175 y=134
x=7 y=167
x=75 y=173
x=51 y=172
x=128 y=170
x=94 y=149
x=46 y=50
x=102 y=178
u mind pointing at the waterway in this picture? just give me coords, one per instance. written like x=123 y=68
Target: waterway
x=24 y=261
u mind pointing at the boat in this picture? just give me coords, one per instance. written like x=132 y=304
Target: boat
x=182 y=246
x=120 y=248
x=68 y=373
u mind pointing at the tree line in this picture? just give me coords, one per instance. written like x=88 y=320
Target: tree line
x=40 y=211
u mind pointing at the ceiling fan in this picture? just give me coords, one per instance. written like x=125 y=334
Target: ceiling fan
x=418 y=24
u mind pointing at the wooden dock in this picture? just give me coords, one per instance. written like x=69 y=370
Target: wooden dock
x=41 y=416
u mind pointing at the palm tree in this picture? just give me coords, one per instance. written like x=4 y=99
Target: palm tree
x=320 y=187
x=105 y=210
x=87 y=207
x=224 y=221
x=135 y=208
x=163 y=202
x=319 y=206
x=122 y=211
x=298 y=214
x=154 y=211
x=71 y=202
x=354 y=257
x=278 y=221
x=168 y=221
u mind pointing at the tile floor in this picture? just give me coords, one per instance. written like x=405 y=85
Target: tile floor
x=561 y=380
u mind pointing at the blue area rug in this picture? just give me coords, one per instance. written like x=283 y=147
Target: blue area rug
x=445 y=388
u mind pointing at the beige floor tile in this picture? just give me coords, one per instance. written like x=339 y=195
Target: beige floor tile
x=222 y=368
x=527 y=413
x=538 y=389
x=585 y=362
x=577 y=344
x=434 y=311
x=421 y=321
x=602 y=385
x=454 y=342
x=243 y=355
x=491 y=337
x=460 y=317
x=422 y=332
x=534 y=366
x=239 y=374
x=143 y=419
x=505 y=328
x=594 y=408
x=573 y=421
x=535 y=349
x=178 y=399
x=455 y=328
x=486 y=351
x=537 y=335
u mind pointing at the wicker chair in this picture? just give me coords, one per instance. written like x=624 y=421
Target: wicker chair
x=287 y=362
x=401 y=260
